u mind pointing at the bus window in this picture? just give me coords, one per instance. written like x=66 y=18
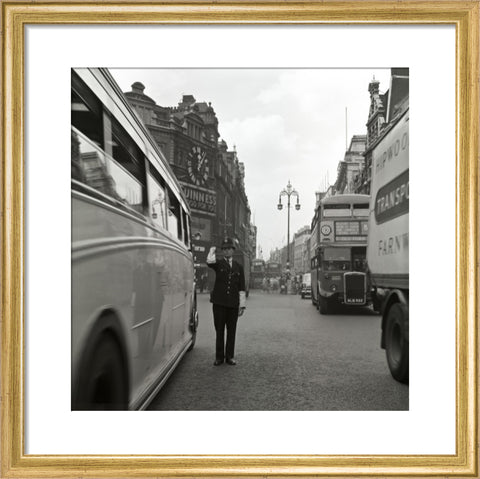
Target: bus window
x=359 y=258
x=76 y=162
x=86 y=111
x=186 y=228
x=129 y=161
x=103 y=154
x=157 y=202
x=122 y=148
x=334 y=210
x=103 y=174
x=336 y=259
x=126 y=186
x=174 y=221
x=361 y=209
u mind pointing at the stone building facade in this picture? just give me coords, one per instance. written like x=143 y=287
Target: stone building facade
x=351 y=166
x=211 y=175
x=301 y=254
x=383 y=107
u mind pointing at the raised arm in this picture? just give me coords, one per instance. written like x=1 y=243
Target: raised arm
x=212 y=257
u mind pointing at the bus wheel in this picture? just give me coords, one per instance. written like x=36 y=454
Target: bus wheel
x=103 y=384
x=323 y=305
x=396 y=344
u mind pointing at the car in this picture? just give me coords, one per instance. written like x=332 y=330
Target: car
x=306 y=289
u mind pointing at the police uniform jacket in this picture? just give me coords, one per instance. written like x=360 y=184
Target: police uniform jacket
x=229 y=281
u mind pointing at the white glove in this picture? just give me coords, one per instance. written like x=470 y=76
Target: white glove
x=211 y=258
x=243 y=300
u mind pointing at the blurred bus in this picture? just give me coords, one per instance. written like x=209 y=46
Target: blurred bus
x=273 y=269
x=243 y=257
x=257 y=273
x=134 y=311
x=338 y=267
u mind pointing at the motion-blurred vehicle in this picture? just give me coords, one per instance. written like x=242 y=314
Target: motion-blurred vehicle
x=273 y=269
x=275 y=284
x=134 y=307
x=243 y=257
x=257 y=273
x=306 y=288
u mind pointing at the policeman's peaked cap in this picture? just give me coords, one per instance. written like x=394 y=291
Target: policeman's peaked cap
x=228 y=243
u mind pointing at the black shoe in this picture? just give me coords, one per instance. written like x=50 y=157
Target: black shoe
x=232 y=362
x=218 y=362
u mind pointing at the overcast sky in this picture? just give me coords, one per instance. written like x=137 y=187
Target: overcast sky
x=286 y=124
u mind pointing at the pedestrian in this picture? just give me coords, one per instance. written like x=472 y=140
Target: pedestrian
x=228 y=298
x=203 y=282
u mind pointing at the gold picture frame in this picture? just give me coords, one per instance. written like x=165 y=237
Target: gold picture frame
x=464 y=15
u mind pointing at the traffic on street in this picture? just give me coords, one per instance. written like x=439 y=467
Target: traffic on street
x=198 y=281
x=289 y=358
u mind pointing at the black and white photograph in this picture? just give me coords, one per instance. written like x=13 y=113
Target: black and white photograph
x=240 y=239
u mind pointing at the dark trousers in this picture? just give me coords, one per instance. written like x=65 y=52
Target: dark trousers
x=225 y=317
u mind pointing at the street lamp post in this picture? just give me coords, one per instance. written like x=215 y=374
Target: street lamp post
x=288 y=192
x=225 y=223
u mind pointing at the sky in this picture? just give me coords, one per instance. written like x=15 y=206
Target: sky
x=286 y=125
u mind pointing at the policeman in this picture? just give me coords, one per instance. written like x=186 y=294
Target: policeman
x=228 y=298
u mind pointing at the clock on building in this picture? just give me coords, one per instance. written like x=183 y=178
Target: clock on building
x=197 y=166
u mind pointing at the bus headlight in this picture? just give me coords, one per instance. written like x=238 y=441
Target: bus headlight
x=333 y=287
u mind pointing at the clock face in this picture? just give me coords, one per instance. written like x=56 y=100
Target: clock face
x=326 y=229
x=197 y=166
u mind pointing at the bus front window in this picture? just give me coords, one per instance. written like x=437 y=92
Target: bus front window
x=336 y=265
x=336 y=259
x=359 y=257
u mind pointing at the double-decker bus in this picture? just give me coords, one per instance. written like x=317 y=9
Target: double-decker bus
x=339 y=239
x=134 y=311
x=273 y=269
x=243 y=257
x=257 y=273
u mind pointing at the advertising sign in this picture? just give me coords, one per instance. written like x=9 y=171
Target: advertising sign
x=388 y=243
x=200 y=199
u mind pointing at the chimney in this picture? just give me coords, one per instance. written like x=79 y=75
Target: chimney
x=138 y=87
